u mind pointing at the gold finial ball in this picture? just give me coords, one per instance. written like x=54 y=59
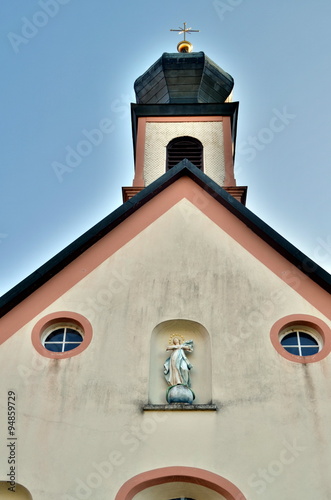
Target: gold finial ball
x=184 y=46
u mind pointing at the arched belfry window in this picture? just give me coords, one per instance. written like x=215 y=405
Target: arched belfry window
x=184 y=147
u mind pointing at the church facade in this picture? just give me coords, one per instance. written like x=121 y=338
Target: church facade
x=180 y=349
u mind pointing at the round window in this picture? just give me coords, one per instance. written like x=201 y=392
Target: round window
x=61 y=335
x=62 y=338
x=301 y=338
x=300 y=343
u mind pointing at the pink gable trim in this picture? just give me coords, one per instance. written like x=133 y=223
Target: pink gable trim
x=139 y=220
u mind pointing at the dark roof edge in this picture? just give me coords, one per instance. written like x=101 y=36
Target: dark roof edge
x=35 y=280
x=264 y=231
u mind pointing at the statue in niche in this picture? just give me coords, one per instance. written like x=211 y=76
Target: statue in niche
x=177 y=371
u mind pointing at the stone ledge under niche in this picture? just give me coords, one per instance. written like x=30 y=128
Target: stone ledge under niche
x=180 y=407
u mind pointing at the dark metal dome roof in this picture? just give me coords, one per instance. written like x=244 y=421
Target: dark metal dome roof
x=183 y=78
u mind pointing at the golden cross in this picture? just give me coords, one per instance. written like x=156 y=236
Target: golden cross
x=185 y=30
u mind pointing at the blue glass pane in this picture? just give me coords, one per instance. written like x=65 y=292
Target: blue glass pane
x=56 y=336
x=54 y=347
x=69 y=347
x=71 y=330
x=292 y=350
x=290 y=339
x=306 y=339
x=309 y=351
x=73 y=336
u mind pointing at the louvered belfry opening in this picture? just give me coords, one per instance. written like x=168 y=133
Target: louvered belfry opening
x=185 y=147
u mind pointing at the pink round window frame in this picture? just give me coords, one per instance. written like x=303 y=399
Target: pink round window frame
x=61 y=317
x=301 y=320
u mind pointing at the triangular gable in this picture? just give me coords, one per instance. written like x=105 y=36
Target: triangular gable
x=63 y=271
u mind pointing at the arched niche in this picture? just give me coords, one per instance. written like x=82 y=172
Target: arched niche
x=200 y=358
x=20 y=493
x=179 y=482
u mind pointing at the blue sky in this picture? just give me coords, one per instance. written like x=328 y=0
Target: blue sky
x=68 y=67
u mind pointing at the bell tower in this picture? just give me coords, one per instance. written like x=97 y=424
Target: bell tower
x=184 y=110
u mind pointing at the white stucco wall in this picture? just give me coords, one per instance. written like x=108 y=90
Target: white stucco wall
x=158 y=136
x=81 y=429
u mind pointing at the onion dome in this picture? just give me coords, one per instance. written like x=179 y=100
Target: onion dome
x=183 y=78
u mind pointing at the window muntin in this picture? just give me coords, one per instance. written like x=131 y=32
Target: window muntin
x=62 y=339
x=300 y=343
